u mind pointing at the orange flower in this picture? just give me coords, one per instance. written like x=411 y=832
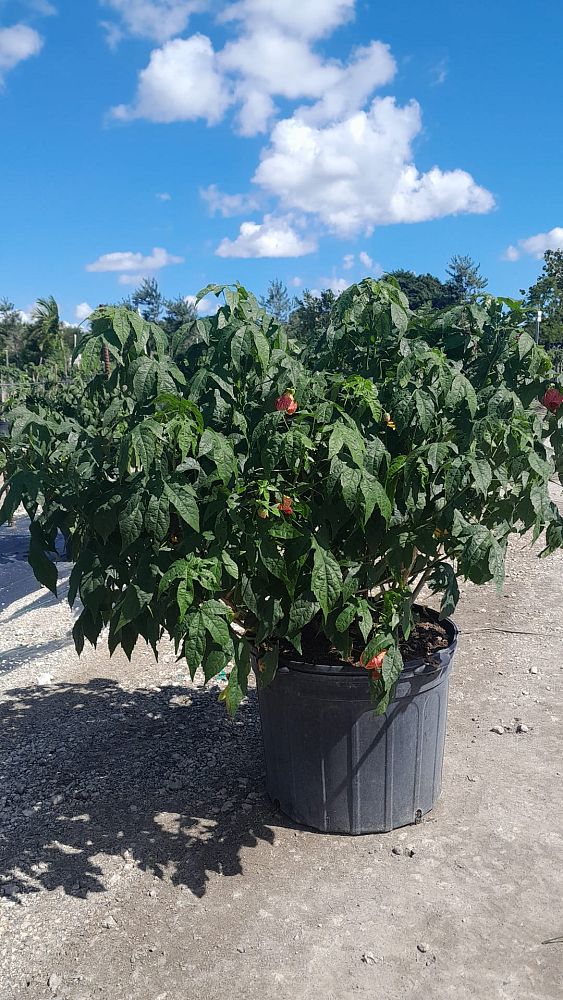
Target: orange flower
x=390 y=423
x=286 y=403
x=374 y=665
x=552 y=400
x=286 y=506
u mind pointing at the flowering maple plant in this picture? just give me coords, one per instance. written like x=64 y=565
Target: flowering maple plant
x=261 y=485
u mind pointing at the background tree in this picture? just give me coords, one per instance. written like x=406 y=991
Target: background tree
x=148 y=300
x=547 y=294
x=424 y=289
x=464 y=278
x=12 y=331
x=44 y=341
x=179 y=312
x=277 y=301
x=311 y=315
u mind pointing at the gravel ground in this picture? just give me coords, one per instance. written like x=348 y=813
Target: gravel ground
x=141 y=860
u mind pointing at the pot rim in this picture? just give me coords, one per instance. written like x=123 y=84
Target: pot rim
x=438 y=661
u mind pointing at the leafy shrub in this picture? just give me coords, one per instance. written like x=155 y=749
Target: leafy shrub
x=267 y=484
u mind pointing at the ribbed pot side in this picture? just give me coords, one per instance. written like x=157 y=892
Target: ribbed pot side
x=334 y=765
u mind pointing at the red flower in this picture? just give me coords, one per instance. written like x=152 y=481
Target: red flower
x=375 y=664
x=286 y=506
x=286 y=403
x=552 y=400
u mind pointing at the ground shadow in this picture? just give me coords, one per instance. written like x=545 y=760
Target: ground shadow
x=14 y=657
x=159 y=776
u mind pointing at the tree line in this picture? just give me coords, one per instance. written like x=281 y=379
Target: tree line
x=28 y=343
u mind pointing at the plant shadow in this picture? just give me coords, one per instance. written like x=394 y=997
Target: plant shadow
x=159 y=776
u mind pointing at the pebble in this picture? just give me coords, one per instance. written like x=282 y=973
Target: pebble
x=521 y=728
x=423 y=948
x=397 y=849
x=109 y=923
x=10 y=889
x=498 y=729
x=54 y=981
x=369 y=958
x=533 y=670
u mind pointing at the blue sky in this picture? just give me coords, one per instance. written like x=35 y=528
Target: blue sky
x=310 y=140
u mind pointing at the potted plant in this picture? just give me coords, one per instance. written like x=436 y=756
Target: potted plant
x=281 y=505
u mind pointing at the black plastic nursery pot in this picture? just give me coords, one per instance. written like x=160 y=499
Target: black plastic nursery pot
x=334 y=765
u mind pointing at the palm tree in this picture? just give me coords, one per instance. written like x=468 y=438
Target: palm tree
x=47 y=331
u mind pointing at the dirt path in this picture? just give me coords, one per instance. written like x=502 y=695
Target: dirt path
x=140 y=860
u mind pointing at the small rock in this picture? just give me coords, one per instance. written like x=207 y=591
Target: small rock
x=398 y=849
x=54 y=981
x=521 y=728
x=241 y=949
x=227 y=806
x=498 y=729
x=410 y=852
x=44 y=679
x=57 y=799
x=133 y=809
x=369 y=958
x=109 y=923
x=10 y=889
x=423 y=948
x=533 y=670
x=525 y=693
x=152 y=892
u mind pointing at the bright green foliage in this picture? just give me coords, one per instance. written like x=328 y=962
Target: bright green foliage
x=416 y=450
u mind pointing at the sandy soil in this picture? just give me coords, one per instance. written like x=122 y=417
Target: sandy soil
x=141 y=860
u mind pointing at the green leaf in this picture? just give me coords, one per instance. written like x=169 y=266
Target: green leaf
x=143 y=442
x=267 y=667
x=262 y=348
x=482 y=474
x=178 y=570
x=44 y=571
x=346 y=617
x=219 y=449
x=350 y=480
x=326 y=579
x=461 y=389
x=184 y=597
x=525 y=345
x=301 y=612
x=157 y=517
x=444 y=581
x=230 y=565
x=437 y=454
x=375 y=496
x=195 y=642
x=131 y=519
x=144 y=372
x=425 y=409
x=183 y=499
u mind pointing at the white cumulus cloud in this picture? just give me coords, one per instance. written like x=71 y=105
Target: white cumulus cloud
x=536 y=245
x=181 y=83
x=308 y=18
x=358 y=173
x=273 y=237
x=341 y=157
x=207 y=306
x=17 y=43
x=164 y=196
x=227 y=204
x=348 y=261
x=366 y=260
x=133 y=267
x=82 y=311
x=155 y=19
